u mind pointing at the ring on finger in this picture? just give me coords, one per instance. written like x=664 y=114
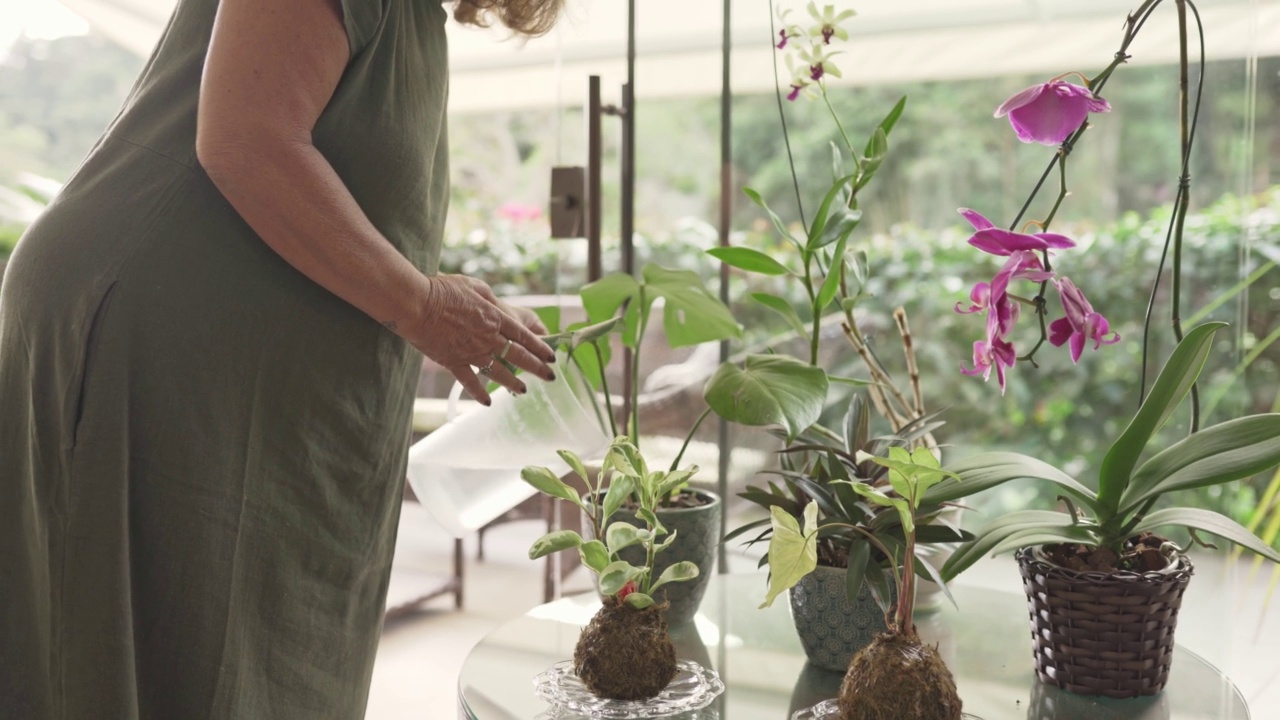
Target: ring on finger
x=506 y=348
x=487 y=369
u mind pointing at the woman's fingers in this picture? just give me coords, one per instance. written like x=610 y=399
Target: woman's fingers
x=504 y=377
x=523 y=336
x=471 y=383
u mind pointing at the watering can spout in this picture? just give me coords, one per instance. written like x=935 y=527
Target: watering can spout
x=467 y=473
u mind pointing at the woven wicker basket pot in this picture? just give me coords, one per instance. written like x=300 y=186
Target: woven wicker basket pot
x=1107 y=634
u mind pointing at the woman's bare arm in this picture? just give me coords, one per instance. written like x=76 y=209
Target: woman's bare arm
x=271 y=69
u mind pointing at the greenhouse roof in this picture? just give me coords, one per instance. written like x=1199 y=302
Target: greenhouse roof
x=679 y=44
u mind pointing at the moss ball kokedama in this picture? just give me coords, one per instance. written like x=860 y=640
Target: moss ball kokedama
x=896 y=677
x=625 y=652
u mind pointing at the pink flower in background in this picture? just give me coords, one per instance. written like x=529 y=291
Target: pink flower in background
x=519 y=212
x=1049 y=113
x=998 y=354
x=1080 y=324
x=997 y=241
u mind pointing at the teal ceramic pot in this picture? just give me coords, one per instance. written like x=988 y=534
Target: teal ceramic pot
x=832 y=630
x=697 y=536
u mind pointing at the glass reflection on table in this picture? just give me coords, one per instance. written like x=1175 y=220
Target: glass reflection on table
x=985 y=642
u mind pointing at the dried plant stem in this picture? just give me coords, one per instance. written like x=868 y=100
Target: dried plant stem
x=882 y=384
x=909 y=352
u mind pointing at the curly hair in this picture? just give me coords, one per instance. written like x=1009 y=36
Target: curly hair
x=527 y=17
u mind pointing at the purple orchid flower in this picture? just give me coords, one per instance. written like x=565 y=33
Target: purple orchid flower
x=1081 y=323
x=993 y=297
x=998 y=241
x=1049 y=113
x=998 y=354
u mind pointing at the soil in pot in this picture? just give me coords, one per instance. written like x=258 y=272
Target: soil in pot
x=1141 y=554
x=625 y=653
x=695 y=520
x=897 y=677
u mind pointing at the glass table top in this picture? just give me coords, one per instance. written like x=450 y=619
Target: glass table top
x=986 y=644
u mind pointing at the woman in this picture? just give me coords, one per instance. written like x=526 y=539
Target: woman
x=208 y=349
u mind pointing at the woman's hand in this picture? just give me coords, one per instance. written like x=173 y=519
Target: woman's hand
x=464 y=326
x=526 y=317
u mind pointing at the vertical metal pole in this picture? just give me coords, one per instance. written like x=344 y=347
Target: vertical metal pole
x=726 y=218
x=629 y=146
x=594 y=151
x=628 y=191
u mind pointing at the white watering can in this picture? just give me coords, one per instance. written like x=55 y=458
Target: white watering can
x=468 y=472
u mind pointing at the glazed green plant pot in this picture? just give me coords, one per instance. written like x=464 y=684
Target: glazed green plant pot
x=833 y=630
x=697 y=536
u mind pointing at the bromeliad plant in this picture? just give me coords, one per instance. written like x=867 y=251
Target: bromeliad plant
x=1111 y=522
x=896 y=675
x=818 y=471
x=625 y=653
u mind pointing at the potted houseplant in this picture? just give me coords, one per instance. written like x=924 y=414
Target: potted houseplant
x=828 y=275
x=895 y=675
x=690 y=315
x=625 y=652
x=834 y=606
x=1103 y=587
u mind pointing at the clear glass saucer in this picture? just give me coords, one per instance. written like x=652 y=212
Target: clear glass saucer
x=829 y=710
x=693 y=689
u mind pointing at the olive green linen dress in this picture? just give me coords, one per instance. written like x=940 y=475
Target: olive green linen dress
x=201 y=451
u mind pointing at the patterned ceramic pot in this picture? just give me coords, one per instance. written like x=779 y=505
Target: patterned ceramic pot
x=697 y=538
x=833 y=630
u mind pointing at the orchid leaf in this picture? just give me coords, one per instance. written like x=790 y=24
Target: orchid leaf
x=1228 y=451
x=877 y=149
x=769 y=390
x=831 y=284
x=679 y=572
x=926 y=570
x=773 y=216
x=892 y=118
x=984 y=471
x=1211 y=522
x=1170 y=387
x=826 y=220
x=1032 y=537
x=690 y=313
x=995 y=533
x=554 y=542
x=839 y=226
x=783 y=308
x=594 y=555
x=750 y=260
x=792 y=553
